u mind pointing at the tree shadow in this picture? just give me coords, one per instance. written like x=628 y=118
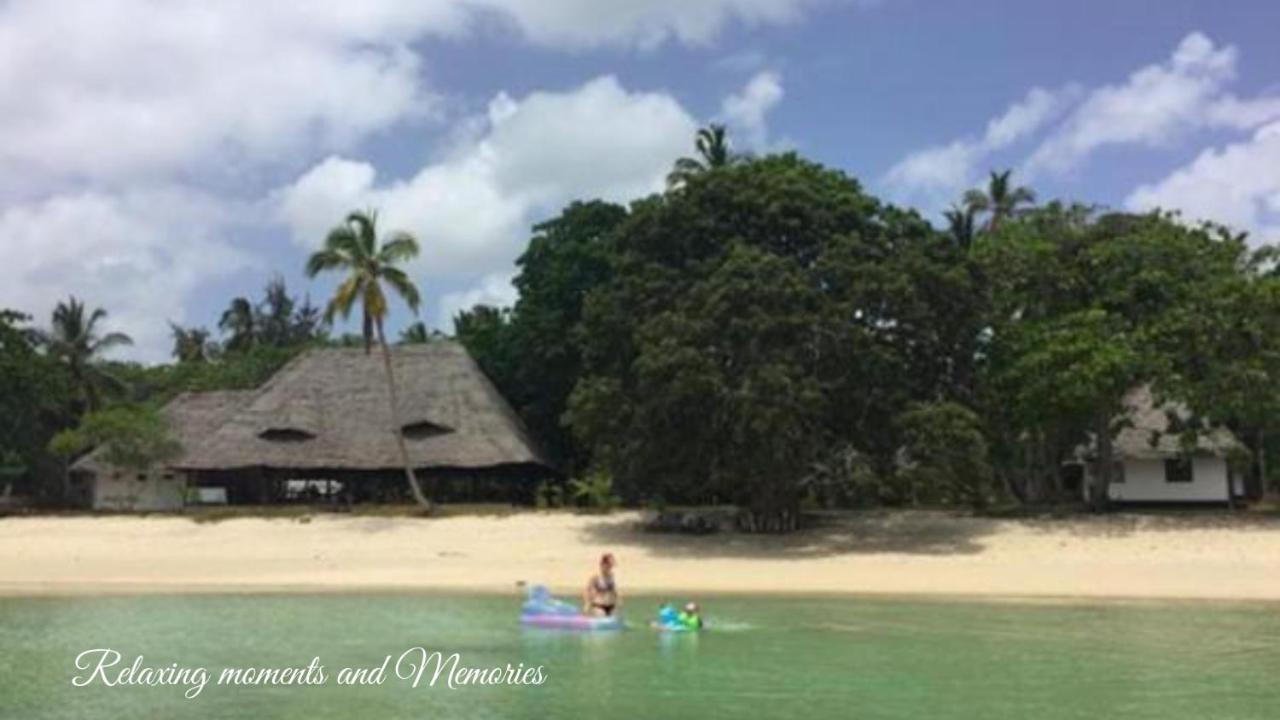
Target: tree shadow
x=910 y=532
x=1162 y=519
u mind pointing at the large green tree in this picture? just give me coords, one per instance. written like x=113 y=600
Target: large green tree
x=369 y=265
x=758 y=316
x=1082 y=311
x=37 y=398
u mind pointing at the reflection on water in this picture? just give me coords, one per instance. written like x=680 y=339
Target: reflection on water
x=762 y=657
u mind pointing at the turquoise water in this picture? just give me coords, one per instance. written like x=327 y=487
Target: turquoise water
x=763 y=658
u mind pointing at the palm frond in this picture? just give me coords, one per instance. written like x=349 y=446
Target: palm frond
x=400 y=247
x=976 y=200
x=365 y=223
x=110 y=340
x=344 y=297
x=375 y=302
x=345 y=239
x=403 y=286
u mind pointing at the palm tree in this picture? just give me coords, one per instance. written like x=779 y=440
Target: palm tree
x=960 y=225
x=73 y=340
x=353 y=248
x=1000 y=199
x=240 y=320
x=191 y=344
x=415 y=334
x=275 y=317
x=713 y=152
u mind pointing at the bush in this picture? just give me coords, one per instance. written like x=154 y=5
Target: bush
x=946 y=452
x=595 y=491
x=131 y=436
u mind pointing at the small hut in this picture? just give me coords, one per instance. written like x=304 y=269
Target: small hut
x=1152 y=464
x=191 y=417
x=322 y=427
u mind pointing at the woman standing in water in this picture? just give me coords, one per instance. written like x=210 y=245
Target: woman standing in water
x=601 y=594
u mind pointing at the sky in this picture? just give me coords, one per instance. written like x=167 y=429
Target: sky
x=159 y=158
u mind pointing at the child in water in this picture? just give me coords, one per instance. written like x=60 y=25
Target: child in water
x=671 y=619
x=690 y=618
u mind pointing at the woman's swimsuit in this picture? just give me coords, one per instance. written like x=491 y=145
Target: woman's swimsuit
x=601 y=586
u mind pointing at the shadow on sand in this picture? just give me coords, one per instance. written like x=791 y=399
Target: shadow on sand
x=872 y=531
x=918 y=532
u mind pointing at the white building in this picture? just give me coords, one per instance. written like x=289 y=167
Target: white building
x=1152 y=466
x=191 y=417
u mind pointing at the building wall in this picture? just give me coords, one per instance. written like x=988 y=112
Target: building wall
x=1144 y=481
x=123 y=491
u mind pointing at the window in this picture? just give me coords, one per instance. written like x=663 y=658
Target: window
x=424 y=429
x=1177 y=470
x=285 y=434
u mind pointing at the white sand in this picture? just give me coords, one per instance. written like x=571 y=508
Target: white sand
x=1193 y=557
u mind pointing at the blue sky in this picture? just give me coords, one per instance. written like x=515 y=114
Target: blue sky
x=157 y=159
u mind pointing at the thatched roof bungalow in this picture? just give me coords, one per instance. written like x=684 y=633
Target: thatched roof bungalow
x=326 y=416
x=328 y=409
x=1154 y=466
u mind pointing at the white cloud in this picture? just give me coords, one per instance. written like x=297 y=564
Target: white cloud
x=937 y=175
x=104 y=98
x=139 y=255
x=1157 y=104
x=639 y=23
x=1238 y=184
x=472 y=209
x=133 y=90
x=494 y=290
x=745 y=111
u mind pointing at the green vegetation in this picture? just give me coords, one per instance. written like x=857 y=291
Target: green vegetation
x=56 y=383
x=353 y=248
x=594 y=492
x=765 y=334
x=73 y=341
x=129 y=436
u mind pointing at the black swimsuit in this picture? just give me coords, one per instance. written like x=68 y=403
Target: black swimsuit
x=604 y=586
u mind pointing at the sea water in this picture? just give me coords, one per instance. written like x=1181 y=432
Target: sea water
x=762 y=657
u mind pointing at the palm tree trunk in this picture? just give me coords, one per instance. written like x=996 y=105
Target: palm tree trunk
x=414 y=487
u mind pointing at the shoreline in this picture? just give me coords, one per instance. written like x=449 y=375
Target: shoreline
x=913 y=554
x=133 y=590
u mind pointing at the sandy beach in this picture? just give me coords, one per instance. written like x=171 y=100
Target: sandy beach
x=1202 y=556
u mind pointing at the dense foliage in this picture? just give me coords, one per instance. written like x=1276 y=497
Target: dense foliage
x=59 y=396
x=130 y=436
x=767 y=334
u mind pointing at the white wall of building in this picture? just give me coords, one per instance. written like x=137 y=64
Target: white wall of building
x=1144 y=481
x=124 y=491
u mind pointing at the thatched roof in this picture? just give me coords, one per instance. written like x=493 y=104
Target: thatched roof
x=191 y=417
x=328 y=409
x=1147 y=435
